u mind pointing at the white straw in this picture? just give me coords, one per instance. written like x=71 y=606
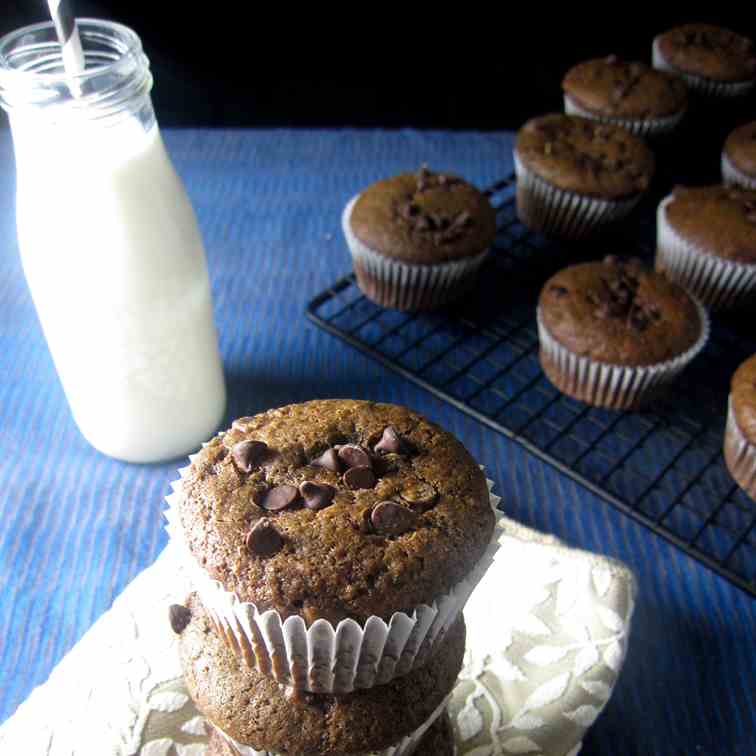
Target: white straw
x=68 y=35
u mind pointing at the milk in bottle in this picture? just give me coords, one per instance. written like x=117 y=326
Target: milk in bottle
x=110 y=246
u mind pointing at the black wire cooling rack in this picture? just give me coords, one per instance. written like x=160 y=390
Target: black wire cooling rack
x=663 y=467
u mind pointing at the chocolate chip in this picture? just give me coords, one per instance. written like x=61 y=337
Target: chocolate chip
x=391 y=442
x=409 y=210
x=354 y=456
x=278 y=498
x=751 y=217
x=249 y=455
x=612 y=60
x=638 y=319
x=419 y=495
x=611 y=260
x=264 y=540
x=316 y=495
x=390 y=518
x=179 y=617
x=329 y=460
x=359 y=477
x=559 y=291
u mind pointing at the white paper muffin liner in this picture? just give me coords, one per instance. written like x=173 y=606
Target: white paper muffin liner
x=733 y=176
x=325 y=658
x=406 y=286
x=404 y=747
x=643 y=127
x=544 y=207
x=614 y=386
x=717 y=282
x=727 y=90
x=740 y=454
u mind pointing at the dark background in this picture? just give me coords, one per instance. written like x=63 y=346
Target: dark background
x=440 y=66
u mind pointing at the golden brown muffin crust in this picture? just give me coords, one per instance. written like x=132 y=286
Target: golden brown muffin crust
x=355 y=557
x=619 y=313
x=711 y=52
x=621 y=89
x=424 y=218
x=743 y=396
x=740 y=148
x=255 y=710
x=718 y=220
x=580 y=155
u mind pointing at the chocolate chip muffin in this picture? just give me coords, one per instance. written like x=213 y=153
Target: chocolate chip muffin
x=255 y=711
x=740 y=436
x=613 y=334
x=576 y=176
x=417 y=240
x=713 y=61
x=341 y=511
x=706 y=242
x=739 y=157
x=639 y=98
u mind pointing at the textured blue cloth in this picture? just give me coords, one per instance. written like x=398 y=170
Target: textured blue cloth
x=76 y=527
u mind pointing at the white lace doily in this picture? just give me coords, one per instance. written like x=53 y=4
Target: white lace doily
x=547 y=633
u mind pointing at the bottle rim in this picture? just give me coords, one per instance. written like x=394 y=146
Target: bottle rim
x=32 y=71
x=89 y=29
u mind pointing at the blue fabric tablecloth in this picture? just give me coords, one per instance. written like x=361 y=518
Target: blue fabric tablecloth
x=75 y=527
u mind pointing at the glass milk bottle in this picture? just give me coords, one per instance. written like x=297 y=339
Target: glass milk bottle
x=110 y=245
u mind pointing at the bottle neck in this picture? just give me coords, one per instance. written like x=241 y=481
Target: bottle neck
x=115 y=84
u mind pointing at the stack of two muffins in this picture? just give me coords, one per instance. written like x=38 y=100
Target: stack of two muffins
x=332 y=546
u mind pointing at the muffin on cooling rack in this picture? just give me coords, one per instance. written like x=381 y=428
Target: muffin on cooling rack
x=739 y=157
x=706 y=242
x=740 y=436
x=713 y=61
x=576 y=176
x=614 y=334
x=639 y=98
x=418 y=239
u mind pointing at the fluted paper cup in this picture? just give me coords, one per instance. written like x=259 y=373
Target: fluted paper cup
x=543 y=207
x=405 y=286
x=644 y=127
x=726 y=90
x=716 y=282
x=739 y=454
x=405 y=747
x=733 y=176
x=324 y=658
x=613 y=386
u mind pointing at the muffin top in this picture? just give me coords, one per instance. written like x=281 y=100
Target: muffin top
x=719 y=220
x=740 y=148
x=583 y=156
x=437 y=741
x=619 y=89
x=711 y=52
x=255 y=710
x=336 y=509
x=424 y=218
x=619 y=313
x=743 y=390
